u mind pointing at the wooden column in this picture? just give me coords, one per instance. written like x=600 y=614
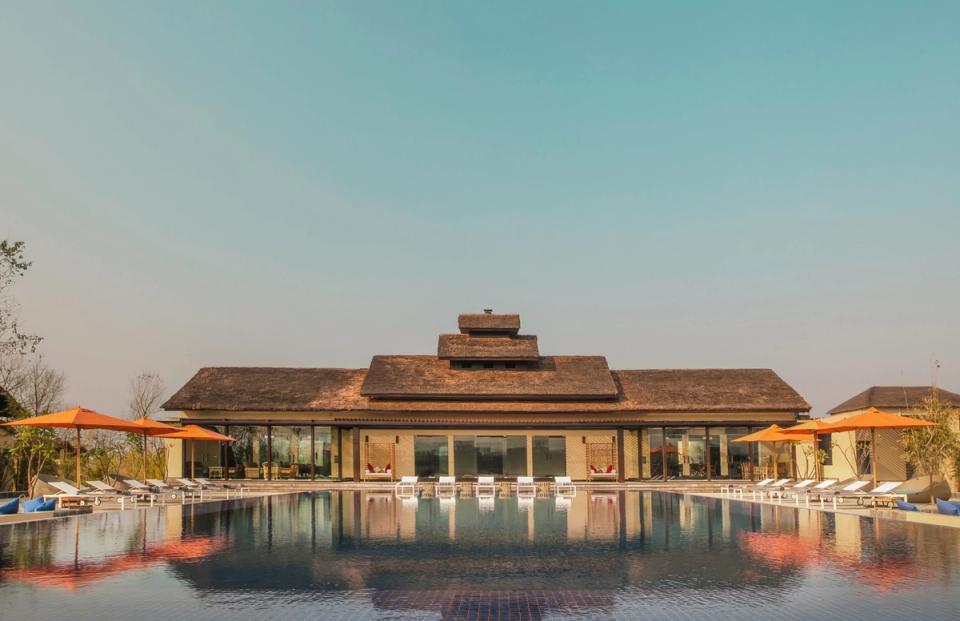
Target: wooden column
x=356 y=454
x=706 y=442
x=640 y=453
x=269 y=453
x=620 y=464
x=313 y=452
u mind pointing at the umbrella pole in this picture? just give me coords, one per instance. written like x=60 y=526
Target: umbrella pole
x=873 y=454
x=193 y=461
x=78 y=457
x=776 y=465
x=144 y=468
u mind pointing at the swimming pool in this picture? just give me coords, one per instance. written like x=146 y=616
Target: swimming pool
x=351 y=555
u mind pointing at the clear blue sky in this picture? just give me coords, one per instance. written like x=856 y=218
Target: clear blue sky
x=307 y=184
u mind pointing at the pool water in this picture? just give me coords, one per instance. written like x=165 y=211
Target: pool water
x=352 y=555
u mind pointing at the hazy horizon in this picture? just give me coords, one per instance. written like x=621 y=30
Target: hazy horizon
x=672 y=186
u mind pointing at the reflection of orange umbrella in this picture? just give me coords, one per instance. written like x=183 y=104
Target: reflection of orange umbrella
x=77 y=418
x=810 y=428
x=75 y=575
x=667 y=448
x=151 y=427
x=774 y=433
x=874 y=419
x=196 y=433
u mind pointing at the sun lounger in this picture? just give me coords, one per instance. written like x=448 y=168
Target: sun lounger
x=485 y=486
x=563 y=486
x=734 y=488
x=407 y=486
x=779 y=492
x=103 y=488
x=761 y=490
x=70 y=496
x=879 y=493
x=208 y=484
x=526 y=486
x=446 y=487
x=851 y=491
x=809 y=491
x=162 y=487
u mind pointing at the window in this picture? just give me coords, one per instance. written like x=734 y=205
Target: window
x=487 y=365
x=430 y=455
x=825 y=444
x=486 y=455
x=511 y=365
x=864 y=458
x=549 y=456
x=466 y=365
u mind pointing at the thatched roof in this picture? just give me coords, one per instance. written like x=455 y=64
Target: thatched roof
x=427 y=377
x=468 y=347
x=267 y=389
x=488 y=322
x=890 y=397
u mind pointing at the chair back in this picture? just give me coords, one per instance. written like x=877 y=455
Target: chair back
x=764 y=482
x=485 y=480
x=202 y=481
x=100 y=485
x=780 y=482
x=135 y=484
x=889 y=486
x=824 y=484
x=409 y=480
x=186 y=482
x=855 y=486
x=804 y=483
x=66 y=488
x=447 y=480
x=156 y=483
x=525 y=480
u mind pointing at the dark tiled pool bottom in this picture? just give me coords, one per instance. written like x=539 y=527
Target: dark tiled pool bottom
x=332 y=556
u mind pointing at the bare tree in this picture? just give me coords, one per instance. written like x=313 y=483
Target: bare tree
x=146 y=395
x=40 y=389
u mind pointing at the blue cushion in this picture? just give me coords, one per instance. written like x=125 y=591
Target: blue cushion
x=9 y=508
x=947 y=508
x=32 y=505
x=906 y=506
x=50 y=505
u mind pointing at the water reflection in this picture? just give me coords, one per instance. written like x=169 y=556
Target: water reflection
x=362 y=554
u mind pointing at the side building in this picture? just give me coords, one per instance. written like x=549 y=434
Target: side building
x=487 y=403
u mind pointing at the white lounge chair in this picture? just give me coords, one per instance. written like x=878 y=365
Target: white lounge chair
x=162 y=487
x=563 y=486
x=849 y=488
x=881 y=491
x=109 y=490
x=761 y=490
x=815 y=489
x=780 y=491
x=71 y=496
x=446 y=487
x=407 y=486
x=526 y=487
x=208 y=484
x=485 y=486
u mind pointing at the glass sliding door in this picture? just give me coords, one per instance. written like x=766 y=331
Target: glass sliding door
x=249 y=451
x=657 y=452
x=490 y=455
x=714 y=459
x=291 y=452
x=674 y=452
x=322 y=451
x=737 y=459
x=430 y=455
x=549 y=456
x=696 y=453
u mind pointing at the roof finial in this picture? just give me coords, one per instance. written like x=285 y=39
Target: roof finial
x=488 y=311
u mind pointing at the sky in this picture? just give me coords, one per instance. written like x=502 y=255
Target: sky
x=673 y=185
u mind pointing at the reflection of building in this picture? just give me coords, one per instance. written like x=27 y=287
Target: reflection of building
x=487 y=403
x=849 y=452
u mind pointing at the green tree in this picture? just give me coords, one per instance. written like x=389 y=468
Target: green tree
x=931 y=449
x=33 y=450
x=13 y=264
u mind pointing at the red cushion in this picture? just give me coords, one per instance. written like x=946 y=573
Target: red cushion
x=593 y=468
x=609 y=468
x=369 y=467
x=387 y=469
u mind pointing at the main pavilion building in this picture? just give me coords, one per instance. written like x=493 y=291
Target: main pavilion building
x=488 y=403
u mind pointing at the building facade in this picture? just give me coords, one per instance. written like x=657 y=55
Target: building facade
x=488 y=403
x=849 y=454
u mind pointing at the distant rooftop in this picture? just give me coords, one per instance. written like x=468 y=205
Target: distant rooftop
x=489 y=322
x=891 y=397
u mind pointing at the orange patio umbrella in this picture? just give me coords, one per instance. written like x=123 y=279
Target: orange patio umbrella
x=774 y=433
x=150 y=427
x=195 y=433
x=874 y=419
x=77 y=418
x=810 y=428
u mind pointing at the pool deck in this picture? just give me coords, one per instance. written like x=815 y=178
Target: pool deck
x=255 y=489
